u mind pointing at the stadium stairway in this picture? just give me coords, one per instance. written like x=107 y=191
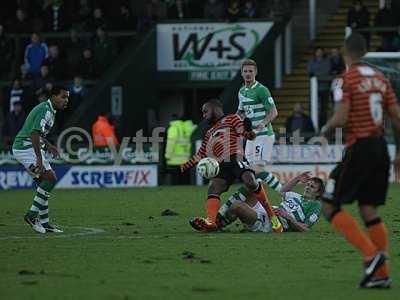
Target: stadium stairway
x=295 y=86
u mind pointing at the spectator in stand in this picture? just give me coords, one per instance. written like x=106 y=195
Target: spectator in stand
x=337 y=62
x=386 y=17
x=6 y=54
x=82 y=14
x=214 y=9
x=35 y=54
x=320 y=67
x=233 y=11
x=358 y=18
x=124 y=19
x=250 y=10
x=16 y=94
x=178 y=10
x=156 y=10
x=78 y=92
x=104 y=49
x=24 y=72
x=73 y=47
x=55 y=16
x=55 y=63
x=97 y=20
x=13 y=123
x=301 y=122
x=87 y=66
x=103 y=131
x=42 y=96
x=21 y=23
x=279 y=8
x=40 y=81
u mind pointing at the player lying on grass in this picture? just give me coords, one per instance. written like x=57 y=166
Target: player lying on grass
x=296 y=212
x=223 y=142
x=29 y=149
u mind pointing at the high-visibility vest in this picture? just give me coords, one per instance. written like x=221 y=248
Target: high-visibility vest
x=178 y=149
x=103 y=131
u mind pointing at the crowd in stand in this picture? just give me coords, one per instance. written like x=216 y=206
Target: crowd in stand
x=326 y=66
x=82 y=48
x=359 y=18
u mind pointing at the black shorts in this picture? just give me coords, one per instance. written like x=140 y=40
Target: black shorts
x=232 y=170
x=363 y=175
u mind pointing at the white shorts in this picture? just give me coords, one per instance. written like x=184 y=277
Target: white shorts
x=259 y=151
x=263 y=223
x=28 y=159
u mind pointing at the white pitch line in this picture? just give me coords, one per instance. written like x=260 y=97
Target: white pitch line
x=85 y=231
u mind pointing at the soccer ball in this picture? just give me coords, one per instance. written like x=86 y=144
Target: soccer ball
x=208 y=167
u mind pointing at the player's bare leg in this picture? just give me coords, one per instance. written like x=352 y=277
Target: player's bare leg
x=346 y=225
x=244 y=212
x=259 y=193
x=216 y=188
x=378 y=234
x=40 y=206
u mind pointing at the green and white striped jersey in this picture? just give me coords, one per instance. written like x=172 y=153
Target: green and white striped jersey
x=256 y=102
x=302 y=210
x=41 y=119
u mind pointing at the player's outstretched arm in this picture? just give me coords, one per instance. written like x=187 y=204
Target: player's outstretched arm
x=288 y=186
x=338 y=119
x=201 y=153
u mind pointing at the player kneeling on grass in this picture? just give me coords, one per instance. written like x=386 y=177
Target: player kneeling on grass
x=28 y=149
x=296 y=212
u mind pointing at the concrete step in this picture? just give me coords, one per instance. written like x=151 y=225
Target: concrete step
x=339 y=17
x=293 y=92
x=328 y=44
x=291 y=99
x=331 y=36
x=337 y=24
x=295 y=84
x=295 y=78
x=332 y=30
x=300 y=72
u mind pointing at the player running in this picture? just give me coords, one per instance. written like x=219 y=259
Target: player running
x=361 y=96
x=223 y=142
x=28 y=149
x=296 y=212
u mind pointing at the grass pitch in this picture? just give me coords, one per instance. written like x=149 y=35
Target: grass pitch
x=117 y=245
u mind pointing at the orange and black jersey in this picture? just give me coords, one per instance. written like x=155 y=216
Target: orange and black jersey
x=222 y=141
x=369 y=94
